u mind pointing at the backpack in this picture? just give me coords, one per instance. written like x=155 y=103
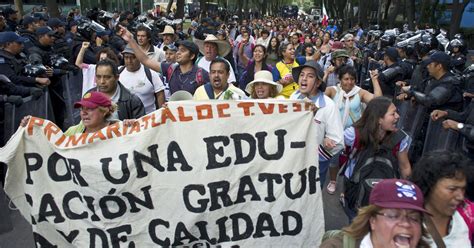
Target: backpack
x=199 y=77
x=371 y=166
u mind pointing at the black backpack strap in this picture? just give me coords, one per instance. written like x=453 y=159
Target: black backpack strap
x=120 y=69
x=209 y=90
x=393 y=139
x=148 y=75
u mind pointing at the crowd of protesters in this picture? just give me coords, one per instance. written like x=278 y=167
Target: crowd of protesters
x=132 y=63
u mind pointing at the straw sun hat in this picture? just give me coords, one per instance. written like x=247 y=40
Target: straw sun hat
x=263 y=77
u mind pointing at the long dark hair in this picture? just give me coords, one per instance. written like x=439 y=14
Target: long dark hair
x=368 y=124
x=438 y=165
x=270 y=49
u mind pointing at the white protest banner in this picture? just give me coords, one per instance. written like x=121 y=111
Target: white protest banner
x=196 y=174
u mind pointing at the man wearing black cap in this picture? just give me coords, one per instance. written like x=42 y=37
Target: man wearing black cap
x=183 y=75
x=11 y=45
x=443 y=91
x=11 y=16
x=28 y=30
x=391 y=73
x=41 y=53
x=60 y=45
x=10 y=65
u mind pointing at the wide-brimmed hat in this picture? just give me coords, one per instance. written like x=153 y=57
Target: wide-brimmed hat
x=93 y=100
x=223 y=47
x=168 y=30
x=397 y=193
x=263 y=77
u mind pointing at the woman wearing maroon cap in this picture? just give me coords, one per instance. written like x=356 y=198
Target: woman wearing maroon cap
x=393 y=218
x=96 y=110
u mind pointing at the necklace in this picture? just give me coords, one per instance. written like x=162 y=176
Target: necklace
x=289 y=66
x=186 y=79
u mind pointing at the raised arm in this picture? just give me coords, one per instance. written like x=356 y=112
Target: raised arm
x=127 y=36
x=80 y=55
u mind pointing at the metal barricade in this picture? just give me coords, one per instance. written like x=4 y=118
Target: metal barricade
x=439 y=138
x=72 y=92
x=13 y=115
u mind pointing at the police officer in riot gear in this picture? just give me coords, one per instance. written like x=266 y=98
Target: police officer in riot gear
x=391 y=73
x=60 y=44
x=87 y=34
x=41 y=53
x=27 y=30
x=443 y=91
x=11 y=63
x=457 y=52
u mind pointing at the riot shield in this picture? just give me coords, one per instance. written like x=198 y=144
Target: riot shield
x=439 y=138
x=13 y=115
x=72 y=85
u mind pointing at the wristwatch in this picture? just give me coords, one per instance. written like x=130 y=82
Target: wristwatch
x=460 y=125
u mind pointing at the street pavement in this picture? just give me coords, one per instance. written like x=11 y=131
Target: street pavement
x=21 y=236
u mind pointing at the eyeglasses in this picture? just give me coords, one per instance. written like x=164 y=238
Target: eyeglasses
x=397 y=216
x=349 y=40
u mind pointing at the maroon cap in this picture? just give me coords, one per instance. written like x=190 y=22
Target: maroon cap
x=94 y=100
x=397 y=193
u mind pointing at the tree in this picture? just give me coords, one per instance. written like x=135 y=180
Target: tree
x=168 y=8
x=363 y=13
x=19 y=7
x=180 y=8
x=410 y=7
x=52 y=8
x=203 y=8
x=457 y=11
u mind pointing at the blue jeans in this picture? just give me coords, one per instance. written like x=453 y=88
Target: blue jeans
x=323 y=171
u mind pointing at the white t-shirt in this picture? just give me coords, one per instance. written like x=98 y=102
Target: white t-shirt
x=458 y=235
x=88 y=78
x=138 y=84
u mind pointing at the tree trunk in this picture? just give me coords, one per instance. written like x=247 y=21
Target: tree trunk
x=393 y=13
x=458 y=10
x=410 y=7
x=168 y=8
x=363 y=13
x=103 y=4
x=19 y=7
x=180 y=8
x=425 y=11
x=52 y=8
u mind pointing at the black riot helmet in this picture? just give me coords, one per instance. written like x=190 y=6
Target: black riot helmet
x=427 y=43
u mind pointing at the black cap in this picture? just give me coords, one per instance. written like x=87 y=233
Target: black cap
x=40 y=16
x=45 y=30
x=10 y=36
x=311 y=64
x=392 y=53
x=191 y=46
x=28 y=20
x=56 y=22
x=439 y=57
x=8 y=11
